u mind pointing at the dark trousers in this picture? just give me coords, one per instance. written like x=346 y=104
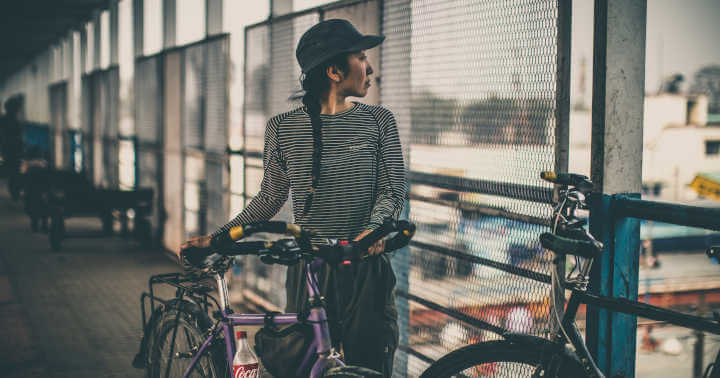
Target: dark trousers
x=361 y=308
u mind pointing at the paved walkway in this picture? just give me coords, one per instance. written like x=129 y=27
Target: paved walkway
x=74 y=313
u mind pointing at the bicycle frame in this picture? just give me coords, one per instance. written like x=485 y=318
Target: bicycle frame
x=321 y=344
x=625 y=306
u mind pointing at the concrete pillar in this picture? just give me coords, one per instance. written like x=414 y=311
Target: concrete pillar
x=114 y=60
x=138 y=36
x=562 y=127
x=213 y=17
x=83 y=49
x=616 y=167
x=280 y=7
x=169 y=23
x=97 y=41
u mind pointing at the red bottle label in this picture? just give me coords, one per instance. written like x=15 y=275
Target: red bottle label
x=246 y=371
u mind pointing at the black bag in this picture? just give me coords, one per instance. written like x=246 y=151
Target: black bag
x=281 y=350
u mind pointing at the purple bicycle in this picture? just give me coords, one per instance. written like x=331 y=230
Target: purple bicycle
x=180 y=339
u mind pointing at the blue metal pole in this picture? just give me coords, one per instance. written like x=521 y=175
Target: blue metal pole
x=598 y=333
x=625 y=285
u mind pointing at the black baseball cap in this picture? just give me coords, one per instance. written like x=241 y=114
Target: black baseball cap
x=329 y=38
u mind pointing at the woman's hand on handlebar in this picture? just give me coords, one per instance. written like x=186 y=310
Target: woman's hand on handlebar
x=202 y=241
x=374 y=249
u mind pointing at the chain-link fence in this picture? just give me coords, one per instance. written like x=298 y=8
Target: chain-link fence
x=478 y=89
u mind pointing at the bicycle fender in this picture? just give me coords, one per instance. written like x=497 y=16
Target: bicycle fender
x=140 y=360
x=551 y=348
x=351 y=372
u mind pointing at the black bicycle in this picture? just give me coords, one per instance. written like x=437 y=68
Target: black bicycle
x=564 y=354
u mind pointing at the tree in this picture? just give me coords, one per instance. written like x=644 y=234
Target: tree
x=707 y=81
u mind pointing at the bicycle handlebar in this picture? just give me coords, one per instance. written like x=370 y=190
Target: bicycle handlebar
x=225 y=239
x=282 y=252
x=345 y=251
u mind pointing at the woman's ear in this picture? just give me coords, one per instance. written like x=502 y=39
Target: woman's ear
x=334 y=74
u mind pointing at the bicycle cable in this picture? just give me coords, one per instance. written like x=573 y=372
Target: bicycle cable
x=554 y=279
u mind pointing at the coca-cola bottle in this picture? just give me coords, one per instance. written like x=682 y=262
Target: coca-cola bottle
x=245 y=363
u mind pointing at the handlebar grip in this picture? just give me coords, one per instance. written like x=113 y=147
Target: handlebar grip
x=194 y=256
x=406 y=231
x=561 y=245
x=581 y=182
x=224 y=240
x=387 y=227
x=248 y=248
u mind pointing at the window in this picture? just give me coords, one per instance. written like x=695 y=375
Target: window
x=190 y=23
x=712 y=147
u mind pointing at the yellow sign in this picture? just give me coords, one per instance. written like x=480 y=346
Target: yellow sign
x=707 y=186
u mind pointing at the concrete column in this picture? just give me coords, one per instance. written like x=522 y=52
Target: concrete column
x=97 y=40
x=114 y=33
x=616 y=167
x=169 y=23
x=83 y=49
x=138 y=36
x=213 y=17
x=562 y=126
x=280 y=7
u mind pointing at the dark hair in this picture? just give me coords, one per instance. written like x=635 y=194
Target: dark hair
x=315 y=84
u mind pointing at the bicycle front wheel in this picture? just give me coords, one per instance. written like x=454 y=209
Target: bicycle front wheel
x=503 y=358
x=176 y=359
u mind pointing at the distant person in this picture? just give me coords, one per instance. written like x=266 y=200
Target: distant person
x=35 y=176
x=648 y=341
x=648 y=254
x=12 y=145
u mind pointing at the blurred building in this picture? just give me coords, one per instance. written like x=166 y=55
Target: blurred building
x=681 y=140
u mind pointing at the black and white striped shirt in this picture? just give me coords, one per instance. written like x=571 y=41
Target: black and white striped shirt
x=362 y=177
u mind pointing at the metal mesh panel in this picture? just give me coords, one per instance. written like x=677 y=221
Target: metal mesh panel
x=148 y=126
x=86 y=118
x=216 y=132
x=148 y=107
x=150 y=176
x=257 y=78
x=58 y=123
x=195 y=194
x=99 y=105
x=284 y=70
x=473 y=88
x=110 y=149
x=216 y=173
x=193 y=100
x=216 y=136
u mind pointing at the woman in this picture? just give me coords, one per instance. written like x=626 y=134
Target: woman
x=343 y=162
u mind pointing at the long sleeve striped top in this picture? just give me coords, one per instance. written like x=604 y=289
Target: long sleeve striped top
x=362 y=178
